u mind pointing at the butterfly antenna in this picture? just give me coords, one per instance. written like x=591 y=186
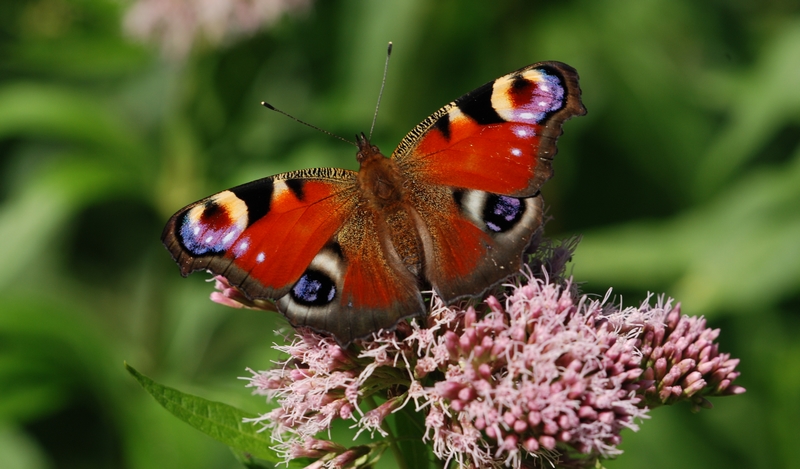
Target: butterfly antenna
x=273 y=108
x=383 y=84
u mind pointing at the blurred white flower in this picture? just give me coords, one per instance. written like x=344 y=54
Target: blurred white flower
x=177 y=25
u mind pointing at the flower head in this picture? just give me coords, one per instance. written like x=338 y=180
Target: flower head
x=535 y=373
x=681 y=361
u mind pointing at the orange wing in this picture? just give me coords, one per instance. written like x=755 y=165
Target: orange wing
x=473 y=239
x=356 y=285
x=262 y=235
x=499 y=138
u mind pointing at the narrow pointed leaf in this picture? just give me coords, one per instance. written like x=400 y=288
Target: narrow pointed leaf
x=217 y=420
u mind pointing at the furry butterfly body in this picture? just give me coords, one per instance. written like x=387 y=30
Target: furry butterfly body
x=348 y=253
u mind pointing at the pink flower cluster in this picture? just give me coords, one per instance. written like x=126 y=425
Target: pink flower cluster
x=680 y=359
x=176 y=25
x=545 y=376
x=534 y=374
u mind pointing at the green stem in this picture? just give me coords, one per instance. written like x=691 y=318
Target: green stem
x=398 y=455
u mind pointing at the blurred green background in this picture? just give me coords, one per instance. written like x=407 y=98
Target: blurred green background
x=684 y=178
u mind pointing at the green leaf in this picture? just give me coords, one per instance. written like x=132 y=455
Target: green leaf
x=410 y=428
x=220 y=421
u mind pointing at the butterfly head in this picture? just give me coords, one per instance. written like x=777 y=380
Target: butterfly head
x=366 y=150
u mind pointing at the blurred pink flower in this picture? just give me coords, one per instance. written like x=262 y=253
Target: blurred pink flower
x=543 y=376
x=231 y=296
x=177 y=25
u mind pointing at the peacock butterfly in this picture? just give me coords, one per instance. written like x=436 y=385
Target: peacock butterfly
x=348 y=253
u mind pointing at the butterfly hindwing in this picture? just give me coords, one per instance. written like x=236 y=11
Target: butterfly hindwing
x=356 y=285
x=475 y=238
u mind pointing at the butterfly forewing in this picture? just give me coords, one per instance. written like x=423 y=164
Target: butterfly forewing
x=262 y=235
x=499 y=138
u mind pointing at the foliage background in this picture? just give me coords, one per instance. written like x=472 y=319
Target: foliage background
x=684 y=178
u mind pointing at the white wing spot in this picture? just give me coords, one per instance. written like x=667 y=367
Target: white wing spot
x=228 y=237
x=260 y=257
x=196 y=230
x=544 y=88
x=542 y=103
x=516 y=152
x=209 y=239
x=522 y=133
x=526 y=115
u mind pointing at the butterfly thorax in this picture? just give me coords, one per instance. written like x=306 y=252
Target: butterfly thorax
x=379 y=177
x=383 y=189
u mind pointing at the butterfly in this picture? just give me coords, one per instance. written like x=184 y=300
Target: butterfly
x=348 y=253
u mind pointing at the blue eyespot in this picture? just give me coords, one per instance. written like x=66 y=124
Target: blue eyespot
x=314 y=288
x=501 y=213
